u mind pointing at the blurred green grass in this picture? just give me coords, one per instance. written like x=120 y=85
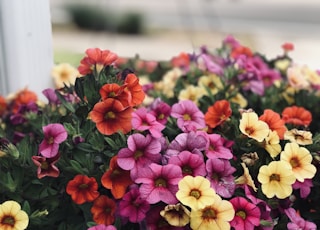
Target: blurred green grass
x=65 y=56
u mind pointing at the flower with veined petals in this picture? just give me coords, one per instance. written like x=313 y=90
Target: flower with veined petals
x=176 y=215
x=54 y=135
x=159 y=183
x=274 y=122
x=247 y=215
x=246 y=178
x=297 y=222
x=46 y=166
x=272 y=144
x=12 y=217
x=216 y=148
x=160 y=110
x=64 y=74
x=137 y=94
x=96 y=60
x=218 y=113
x=216 y=215
x=189 y=116
x=276 y=178
x=297 y=116
x=300 y=160
x=116 y=179
x=82 y=189
x=103 y=227
x=301 y=137
x=195 y=192
x=103 y=210
x=115 y=91
x=304 y=187
x=252 y=127
x=111 y=116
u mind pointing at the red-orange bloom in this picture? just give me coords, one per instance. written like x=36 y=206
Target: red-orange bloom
x=96 y=59
x=23 y=97
x=116 y=179
x=219 y=112
x=111 y=116
x=117 y=92
x=3 y=105
x=241 y=50
x=103 y=210
x=274 y=122
x=82 y=189
x=135 y=89
x=297 y=116
x=181 y=61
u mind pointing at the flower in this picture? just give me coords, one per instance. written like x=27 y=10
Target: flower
x=274 y=122
x=82 y=189
x=297 y=222
x=297 y=116
x=176 y=215
x=272 y=144
x=134 y=88
x=301 y=137
x=46 y=166
x=102 y=227
x=12 y=217
x=195 y=192
x=246 y=178
x=218 y=113
x=103 y=210
x=64 y=74
x=276 y=178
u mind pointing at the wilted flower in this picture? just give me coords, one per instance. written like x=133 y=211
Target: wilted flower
x=176 y=215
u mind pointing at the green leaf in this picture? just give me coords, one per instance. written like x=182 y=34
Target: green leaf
x=77 y=167
x=66 y=104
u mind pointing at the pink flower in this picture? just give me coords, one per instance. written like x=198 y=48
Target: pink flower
x=247 y=215
x=305 y=187
x=216 y=147
x=189 y=116
x=142 y=121
x=46 y=166
x=160 y=110
x=159 y=183
x=142 y=151
x=54 y=134
x=297 y=222
x=132 y=206
x=103 y=227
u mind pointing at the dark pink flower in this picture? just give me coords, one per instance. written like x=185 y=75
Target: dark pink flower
x=160 y=110
x=247 y=215
x=54 y=134
x=305 y=187
x=297 y=222
x=46 y=166
x=189 y=116
x=159 y=183
x=103 y=227
x=132 y=206
x=216 y=147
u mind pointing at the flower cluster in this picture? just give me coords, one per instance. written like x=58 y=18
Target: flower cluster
x=222 y=139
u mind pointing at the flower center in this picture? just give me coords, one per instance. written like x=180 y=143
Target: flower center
x=249 y=130
x=208 y=213
x=294 y=162
x=137 y=154
x=195 y=193
x=242 y=214
x=8 y=220
x=275 y=177
x=83 y=186
x=50 y=140
x=110 y=115
x=44 y=165
x=64 y=75
x=187 y=170
x=161 y=116
x=160 y=182
x=112 y=94
x=186 y=117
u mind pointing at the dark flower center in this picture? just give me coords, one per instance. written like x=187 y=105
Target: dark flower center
x=83 y=186
x=249 y=130
x=160 y=182
x=186 y=169
x=294 y=162
x=8 y=220
x=44 y=165
x=50 y=140
x=110 y=115
x=209 y=213
x=137 y=154
x=195 y=193
x=275 y=177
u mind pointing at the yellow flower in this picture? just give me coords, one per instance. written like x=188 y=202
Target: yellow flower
x=300 y=137
x=276 y=179
x=297 y=77
x=246 y=178
x=64 y=73
x=215 y=216
x=193 y=93
x=240 y=100
x=176 y=215
x=212 y=82
x=168 y=82
x=251 y=126
x=272 y=144
x=195 y=192
x=12 y=217
x=300 y=160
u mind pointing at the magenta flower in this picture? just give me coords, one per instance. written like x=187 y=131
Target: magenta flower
x=54 y=134
x=160 y=110
x=247 y=215
x=189 y=116
x=159 y=183
x=142 y=121
x=102 y=227
x=220 y=175
x=46 y=166
x=216 y=147
x=190 y=163
x=141 y=152
x=297 y=222
x=305 y=187
x=132 y=206
x=210 y=65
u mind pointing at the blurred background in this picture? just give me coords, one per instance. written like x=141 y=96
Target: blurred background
x=158 y=30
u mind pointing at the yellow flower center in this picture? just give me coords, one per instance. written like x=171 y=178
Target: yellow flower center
x=242 y=214
x=186 y=117
x=208 y=213
x=64 y=75
x=160 y=182
x=83 y=186
x=44 y=165
x=161 y=116
x=275 y=177
x=195 y=193
x=137 y=154
x=294 y=162
x=110 y=115
x=8 y=220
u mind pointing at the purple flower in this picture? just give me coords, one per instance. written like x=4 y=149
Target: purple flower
x=142 y=151
x=220 y=175
x=189 y=116
x=297 y=222
x=51 y=95
x=103 y=227
x=190 y=163
x=210 y=65
x=216 y=147
x=159 y=183
x=132 y=206
x=160 y=110
x=54 y=134
x=305 y=187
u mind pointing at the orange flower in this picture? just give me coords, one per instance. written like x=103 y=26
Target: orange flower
x=116 y=179
x=103 y=210
x=296 y=115
x=111 y=116
x=82 y=189
x=117 y=92
x=133 y=86
x=274 y=122
x=182 y=60
x=219 y=112
x=23 y=97
x=239 y=50
x=3 y=105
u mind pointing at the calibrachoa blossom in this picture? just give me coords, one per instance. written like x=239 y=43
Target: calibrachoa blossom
x=301 y=137
x=297 y=116
x=103 y=210
x=160 y=110
x=103 y=227
x=274 y=122
x=64 y=74
x=176 y=215
x=46 y=166
x=272 y=144
x=54 y=135
x=12 y=217
x=297 y=222
x=216 y=148
x=218 y=113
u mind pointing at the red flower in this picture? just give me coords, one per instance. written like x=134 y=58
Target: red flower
x=23 y=97
x=241 y=50
x=274 y=122
x=111 y=116
x=95 y=60
x=287 y=47
x=3 y=105
x=116 y=179
x=297 y=116
x=82 y=189
x=219 y=112
x=103 y=210
x=117 y=92
x=181 y=61
x=46 y=166
x=135 y=89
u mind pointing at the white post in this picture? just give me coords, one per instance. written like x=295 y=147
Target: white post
x=26 y=56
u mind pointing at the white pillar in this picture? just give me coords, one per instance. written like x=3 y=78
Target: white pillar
x=26 y=56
